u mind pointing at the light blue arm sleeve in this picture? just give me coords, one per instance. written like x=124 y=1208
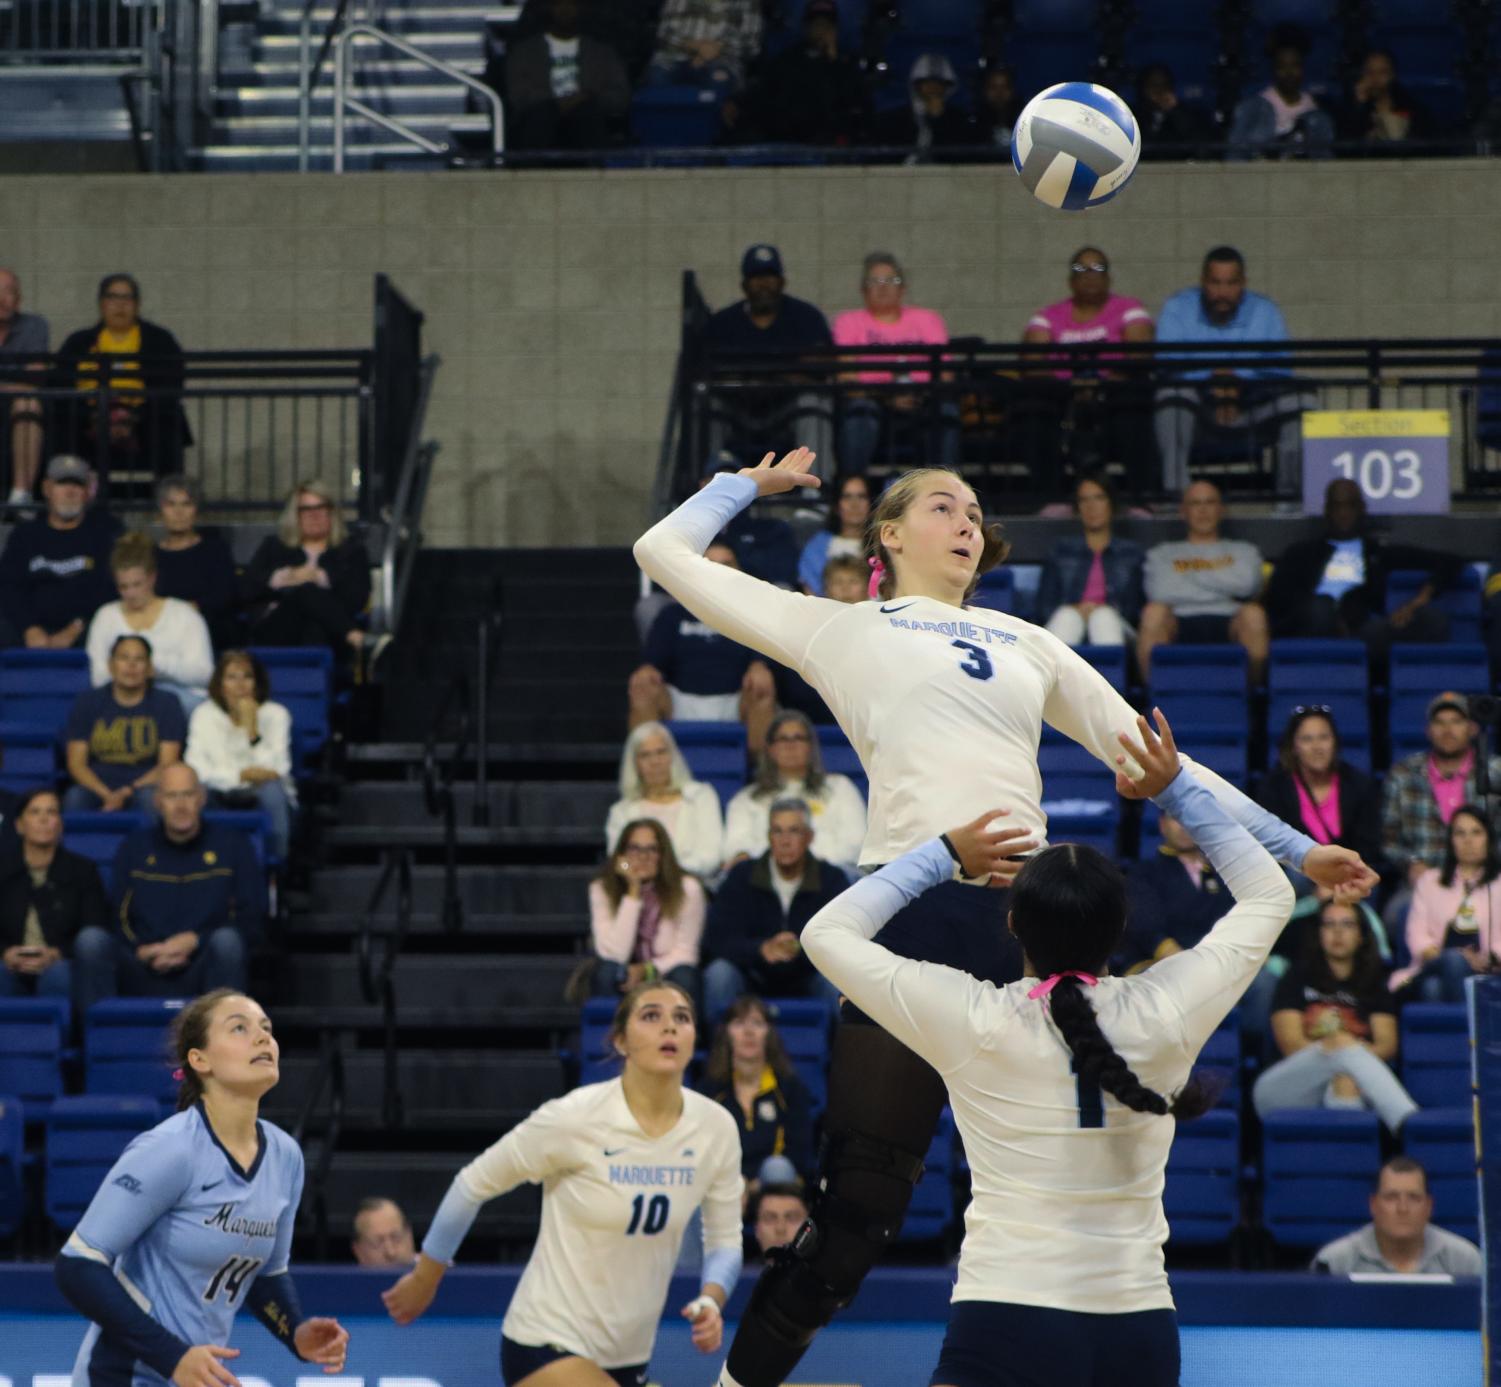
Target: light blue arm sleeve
x=1279 y=838
x=1229 y=845
x=704 y=515
x=722 y=1268
x=451 y=1224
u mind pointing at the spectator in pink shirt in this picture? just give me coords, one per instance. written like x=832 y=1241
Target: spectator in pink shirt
x=646 y=914
x=1454 y=922
x=1097 y=415
x=887 y=319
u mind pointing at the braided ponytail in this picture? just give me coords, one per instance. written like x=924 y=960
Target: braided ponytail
x=1095 y=1058
x=1068 y=911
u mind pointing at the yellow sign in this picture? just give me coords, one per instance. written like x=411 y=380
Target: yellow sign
x=1376 y=423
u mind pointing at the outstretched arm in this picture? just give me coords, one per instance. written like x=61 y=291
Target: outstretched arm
x=768 y=619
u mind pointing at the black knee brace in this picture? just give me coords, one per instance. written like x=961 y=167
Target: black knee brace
x=806 y=1283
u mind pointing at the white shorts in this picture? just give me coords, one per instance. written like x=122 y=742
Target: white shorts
x=687 y=707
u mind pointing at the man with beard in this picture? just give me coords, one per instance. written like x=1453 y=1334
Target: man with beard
x=769 y=322
x=1250 y=400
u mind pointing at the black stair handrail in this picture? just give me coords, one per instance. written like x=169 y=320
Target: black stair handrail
x=330 y=1075
x=381 y=987
x=438 y=777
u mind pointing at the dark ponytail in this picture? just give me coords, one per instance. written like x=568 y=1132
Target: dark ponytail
x=1068 y=911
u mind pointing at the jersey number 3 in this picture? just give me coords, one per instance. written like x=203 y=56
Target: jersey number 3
x=656 y=1212
x=977 y=665
x=232 y=1276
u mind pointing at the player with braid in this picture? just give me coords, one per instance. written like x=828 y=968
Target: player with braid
x=1064 y=1085
x=944 y=704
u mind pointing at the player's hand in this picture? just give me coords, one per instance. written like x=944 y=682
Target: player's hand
x=708 y=1324
x=1156 y=755
x=200 y=1366
x=999 y=855
x=1341 y=870
x=773 y=478
x=410 y=1296
x=324 y=1341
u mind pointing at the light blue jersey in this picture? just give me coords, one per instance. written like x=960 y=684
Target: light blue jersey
x=186 y=1231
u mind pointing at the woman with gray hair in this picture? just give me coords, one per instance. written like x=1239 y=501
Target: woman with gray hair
x=791 y=766
x=655 y=783
x=191 y=565
x=310 y=580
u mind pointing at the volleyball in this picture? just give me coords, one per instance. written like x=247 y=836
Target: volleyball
x=1075 y=145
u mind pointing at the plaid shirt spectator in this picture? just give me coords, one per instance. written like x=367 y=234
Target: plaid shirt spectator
x=735 y=24
x=1412 y=829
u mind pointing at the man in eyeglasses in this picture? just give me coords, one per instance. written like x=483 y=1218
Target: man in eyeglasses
x=888 y=319
x=1103 y=425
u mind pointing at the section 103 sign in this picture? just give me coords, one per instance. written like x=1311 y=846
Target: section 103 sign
x=1398 y=457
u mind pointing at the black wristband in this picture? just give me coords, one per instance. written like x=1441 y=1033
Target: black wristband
x=949 y=844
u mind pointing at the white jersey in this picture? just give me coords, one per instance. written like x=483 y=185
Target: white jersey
x=1066 y=1209
x=944 y=705
x=615 y=1204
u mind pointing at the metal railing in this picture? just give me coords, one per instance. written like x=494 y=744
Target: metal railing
x=344 y=102
x=378 y=984
x=438 y=777
x=330 y=1076
x=1021 y=417
x=403 y=541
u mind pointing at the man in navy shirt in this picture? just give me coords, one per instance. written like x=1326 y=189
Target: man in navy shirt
x=769 y=322
x=1254 y=400
x=121 y=735
x=189 y=900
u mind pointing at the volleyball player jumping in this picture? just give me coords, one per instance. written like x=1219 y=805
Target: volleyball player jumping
x=1060 y=1086
x=944 y=706
x=623 y=1165
x=195 y=1220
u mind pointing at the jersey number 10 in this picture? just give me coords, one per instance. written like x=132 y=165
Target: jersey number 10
x=656 y=1214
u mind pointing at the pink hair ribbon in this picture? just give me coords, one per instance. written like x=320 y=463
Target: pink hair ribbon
x=1048 y=984
x=877 y=573
x=177 y=1076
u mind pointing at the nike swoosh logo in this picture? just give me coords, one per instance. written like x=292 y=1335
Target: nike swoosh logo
x=215 y=1185
x=902 y=608
x=615 y=1152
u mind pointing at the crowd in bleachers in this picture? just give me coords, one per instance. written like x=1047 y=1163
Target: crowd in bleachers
x=946 y=79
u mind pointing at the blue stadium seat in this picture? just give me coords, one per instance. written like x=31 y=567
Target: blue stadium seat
x=1221 y=1060
x=1318 y=1167
x=1462 y=602
x=675 y=117
x=1071 y=772
x=125 y=1047
x=715 y=753
x=1443 y=1140
x=1201 y=686
x=997 y=591
x=254 y=823
x=839 y=757
x=1151 y=832
x=85 y=1137
x=1110 y=660
x=1427 y=41
x=97 y=836
x=1318 y=667
x=28 y=757
x=37 y=687
x=1201 y=1196
x=1078 y=824
x=12 y=1161
x=943 y=16
x=931 y=1213
x=595 y=1064
x=1055 y=16
x=1436 y=1054
x=1043 y=60
x=302 y=681
x=1175 y=32
x=803 y=1025
x=1220 y=749
x=33 y=1034
x=1420 y=671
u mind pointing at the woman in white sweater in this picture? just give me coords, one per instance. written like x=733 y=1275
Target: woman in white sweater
x=240 y=743
x=655 y=783
x=791 y=766
x=181 y=652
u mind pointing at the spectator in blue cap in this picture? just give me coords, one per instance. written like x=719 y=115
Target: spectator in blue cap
x=769 y=322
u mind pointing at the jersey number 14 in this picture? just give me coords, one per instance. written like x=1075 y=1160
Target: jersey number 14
x=649 y=1217
x=232 y=1277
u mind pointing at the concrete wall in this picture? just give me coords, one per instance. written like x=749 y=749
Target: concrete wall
x=552 y=297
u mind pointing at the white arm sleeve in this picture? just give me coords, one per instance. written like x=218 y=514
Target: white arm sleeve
x=931 y=1008
x=1206 y=981
x=768 y=619
x=1085 y=707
